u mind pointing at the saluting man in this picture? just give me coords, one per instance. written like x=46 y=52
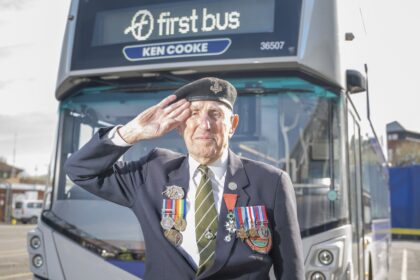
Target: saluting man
x=209 y=214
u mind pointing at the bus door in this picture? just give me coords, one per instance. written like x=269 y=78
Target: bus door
x=355 y=196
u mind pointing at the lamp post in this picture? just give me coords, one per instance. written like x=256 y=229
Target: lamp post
x=8 y=203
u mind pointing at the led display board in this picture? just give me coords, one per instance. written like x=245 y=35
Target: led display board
x=125 y=32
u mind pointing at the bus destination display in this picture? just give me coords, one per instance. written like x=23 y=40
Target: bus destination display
x=174 y=31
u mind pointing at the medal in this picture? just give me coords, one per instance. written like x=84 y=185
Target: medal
x=167 y=222
x=230 y=225
x=263 y=230
x=174 y=237
x=241 y=233
x=240 y=222
x=180 y=224
x=173 y=214
x=253 y=232
x=174 y=192
x=251 y=222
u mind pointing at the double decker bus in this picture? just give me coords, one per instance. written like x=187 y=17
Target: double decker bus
x=302 y=99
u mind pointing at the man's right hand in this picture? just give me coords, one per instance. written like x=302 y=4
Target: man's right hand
x=156 y=120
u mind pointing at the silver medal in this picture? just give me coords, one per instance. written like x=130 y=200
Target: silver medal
x=167 y=222
x=230 y=226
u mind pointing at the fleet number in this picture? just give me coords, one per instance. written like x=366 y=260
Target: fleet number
x=271 y=45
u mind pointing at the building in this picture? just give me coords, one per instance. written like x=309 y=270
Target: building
x=403 y=145
x=8 y=171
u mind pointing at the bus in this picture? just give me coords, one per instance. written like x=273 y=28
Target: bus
x=301 y=76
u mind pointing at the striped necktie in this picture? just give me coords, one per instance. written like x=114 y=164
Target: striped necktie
x=205 y=221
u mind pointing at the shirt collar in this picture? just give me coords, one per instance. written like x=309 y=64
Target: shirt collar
x=217 y=167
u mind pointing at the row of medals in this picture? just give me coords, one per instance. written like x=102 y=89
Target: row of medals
x=257 y=230
x=172 y=225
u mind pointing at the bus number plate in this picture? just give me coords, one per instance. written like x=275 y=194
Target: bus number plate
x=271 y=45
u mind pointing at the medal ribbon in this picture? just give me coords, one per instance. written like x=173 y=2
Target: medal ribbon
x=180 y=206
x=230 y=200
x=173 y=208
x=255 y=213
x=177 y=212
x=244 y=218
x=238 y=213
x=265 y=215
x=260 y=214
x=250 y=217
x=166 y=206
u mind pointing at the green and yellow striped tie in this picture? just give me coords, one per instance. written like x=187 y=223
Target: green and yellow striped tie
x=205 y=221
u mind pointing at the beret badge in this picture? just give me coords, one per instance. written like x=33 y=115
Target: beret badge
x=216 y=87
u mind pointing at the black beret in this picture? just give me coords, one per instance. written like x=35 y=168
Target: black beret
x=208 y=88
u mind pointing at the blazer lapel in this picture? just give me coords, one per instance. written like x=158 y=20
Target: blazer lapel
x=235 y=174
x=179 y=177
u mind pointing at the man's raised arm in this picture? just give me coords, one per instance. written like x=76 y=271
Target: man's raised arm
x=94 y=166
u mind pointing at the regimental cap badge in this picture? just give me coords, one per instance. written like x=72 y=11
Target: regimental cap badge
x=216 y=87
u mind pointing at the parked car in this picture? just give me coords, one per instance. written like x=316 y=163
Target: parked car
x=27 y=211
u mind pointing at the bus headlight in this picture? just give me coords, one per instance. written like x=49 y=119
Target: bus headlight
x=37 y=261
x=35 y=242
x=325 y=257
x=317 y=276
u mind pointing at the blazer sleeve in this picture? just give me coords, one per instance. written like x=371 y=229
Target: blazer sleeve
x=287 y=242
x=95 y=168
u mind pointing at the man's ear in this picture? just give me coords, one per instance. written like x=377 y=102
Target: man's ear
x=234 y=120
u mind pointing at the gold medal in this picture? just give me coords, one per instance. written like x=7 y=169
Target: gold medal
x=253 y=232
x=174 y=237
x=242 y=234
x=180 y=224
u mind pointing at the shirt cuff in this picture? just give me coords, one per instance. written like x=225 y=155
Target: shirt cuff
x=115 y=138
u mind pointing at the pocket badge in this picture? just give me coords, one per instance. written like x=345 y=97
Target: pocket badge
x=260 y=244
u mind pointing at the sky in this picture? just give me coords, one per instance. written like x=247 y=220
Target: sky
x=31 y=33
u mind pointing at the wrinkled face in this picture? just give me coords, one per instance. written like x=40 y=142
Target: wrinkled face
x=207 y=131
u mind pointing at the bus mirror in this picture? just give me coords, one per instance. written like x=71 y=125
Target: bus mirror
x=356 y=82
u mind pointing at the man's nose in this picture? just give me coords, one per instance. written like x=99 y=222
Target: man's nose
x=205 y=122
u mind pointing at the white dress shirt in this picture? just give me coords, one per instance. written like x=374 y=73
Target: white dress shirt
x=217 y=173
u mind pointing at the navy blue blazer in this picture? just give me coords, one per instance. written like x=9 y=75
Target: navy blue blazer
x=139 y=186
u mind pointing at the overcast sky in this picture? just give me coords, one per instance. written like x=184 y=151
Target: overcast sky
x=31 y=33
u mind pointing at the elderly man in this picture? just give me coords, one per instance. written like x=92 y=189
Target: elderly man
x=206 y=215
